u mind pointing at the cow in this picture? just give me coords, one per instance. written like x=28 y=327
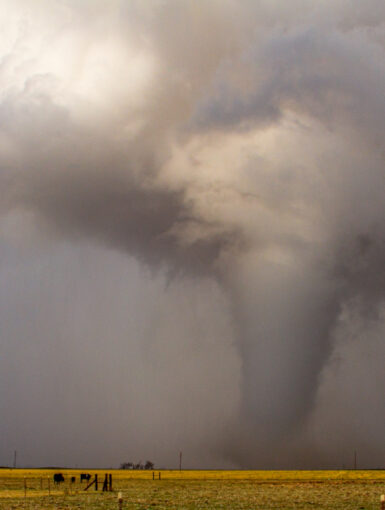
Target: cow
x=58 y=478
x=85 y=476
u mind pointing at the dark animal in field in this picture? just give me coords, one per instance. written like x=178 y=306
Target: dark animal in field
x=85 y=476
x=58 y=478
x=73 y=479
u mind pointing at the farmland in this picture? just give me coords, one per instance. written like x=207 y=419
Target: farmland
x=266 y=490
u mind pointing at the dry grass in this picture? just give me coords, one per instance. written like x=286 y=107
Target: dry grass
x=266 y=490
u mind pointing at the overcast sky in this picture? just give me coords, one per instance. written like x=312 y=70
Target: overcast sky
x=192 y=233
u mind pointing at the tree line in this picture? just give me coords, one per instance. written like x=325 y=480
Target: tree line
x=131 y=465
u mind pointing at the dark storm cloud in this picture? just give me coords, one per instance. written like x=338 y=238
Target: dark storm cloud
x=216 y=141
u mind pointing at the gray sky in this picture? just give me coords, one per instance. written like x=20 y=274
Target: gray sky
x=192 y=235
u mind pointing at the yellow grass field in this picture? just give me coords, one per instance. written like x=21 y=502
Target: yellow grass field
x=353 y=489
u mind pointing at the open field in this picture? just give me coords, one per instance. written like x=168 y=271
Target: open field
x=196 y=489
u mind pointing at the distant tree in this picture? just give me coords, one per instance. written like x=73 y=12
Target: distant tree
x=126 y=465
x=139 y=465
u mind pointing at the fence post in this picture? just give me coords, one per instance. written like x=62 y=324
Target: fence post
x=25 y=487
x=382 y=499
x=105 y=483
x=120 y=501
x=110 y=481
x=49 y=486
x=96 y=482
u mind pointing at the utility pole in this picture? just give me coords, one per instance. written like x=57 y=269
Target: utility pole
x=14 y=458
x=180 y=461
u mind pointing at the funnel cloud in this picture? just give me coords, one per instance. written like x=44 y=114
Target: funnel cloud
x=192 y=233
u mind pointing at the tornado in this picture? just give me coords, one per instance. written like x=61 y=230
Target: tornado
x=230 y=154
